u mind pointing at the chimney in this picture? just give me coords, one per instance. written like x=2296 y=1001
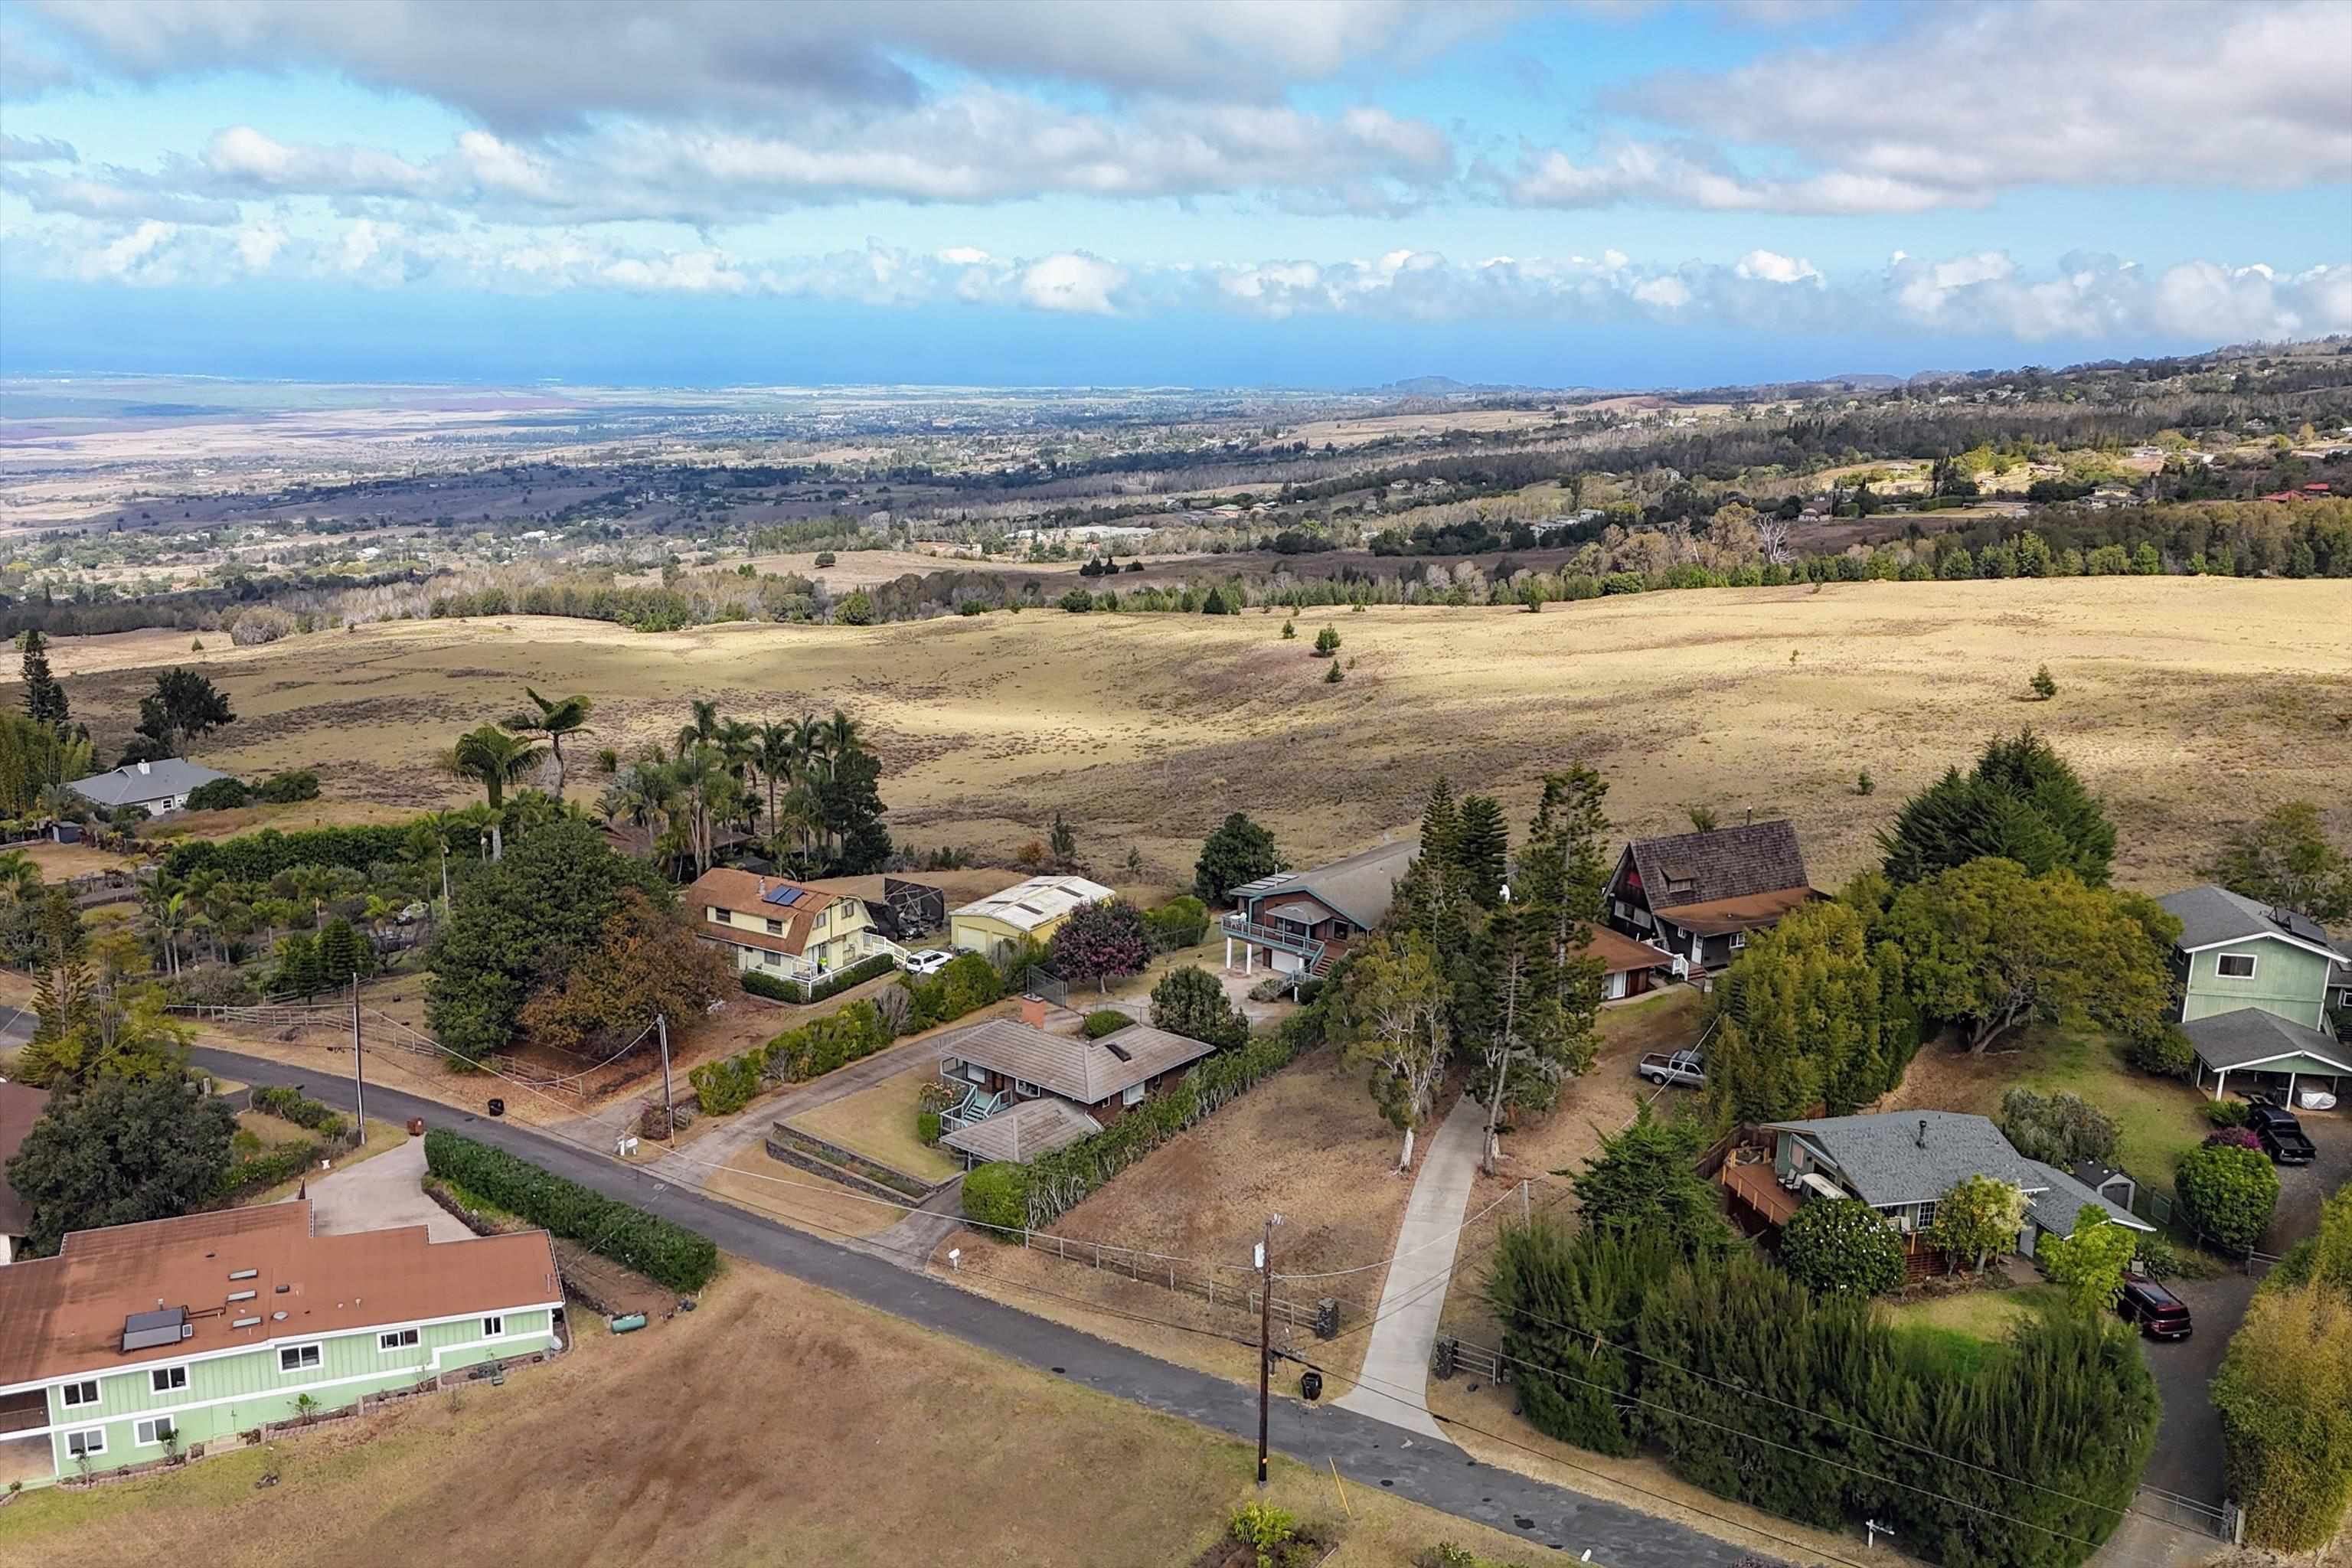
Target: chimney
x=143 y=767
x=1032 y=1011
x=1923 y=1132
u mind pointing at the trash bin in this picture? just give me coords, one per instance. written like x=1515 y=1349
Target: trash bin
x=1311 y=1386
x=497 y=1108
x=416 y=1127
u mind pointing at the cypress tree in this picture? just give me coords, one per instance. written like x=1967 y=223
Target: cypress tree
x=1481 y=843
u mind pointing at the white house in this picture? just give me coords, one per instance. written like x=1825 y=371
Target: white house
x=160 y=786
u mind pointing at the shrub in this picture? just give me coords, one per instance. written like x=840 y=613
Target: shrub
x=1333 y=676
x=1105 y=1021
x=2285 y=1394
x=824 y=558
x=1077 y=601
x=286 y=788
x=667 y=1254
x=2156 y=1256
x=2232 y=1138
x=2161 y=1049
x=1266 y=1530
x=2044 y=686
x=834 y=982
x=1290 y=632
x=1191 y=1001
x=608 y=760
x=2061 y=1129
x=260 y=1171
x=969 y=981
x=1181 y=922
x=219 y=794
x=2228 y=1112
x=289 y=1105
x=768 y=985
x=2227 y=1192
x=1864 y=783
x=1841 y=1244
x=997 y=1194
x=927 y=1128
x=1326 y=642
x=258 y=856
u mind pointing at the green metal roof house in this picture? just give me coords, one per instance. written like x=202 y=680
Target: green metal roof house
x=140 y=1343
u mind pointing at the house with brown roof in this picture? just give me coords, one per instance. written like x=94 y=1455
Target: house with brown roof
x=140 y=1343
x=1628 y=968
x=787 y=931
x=20 y=1106
x=1696 y=896
x=1023 y=1088
x=1294 y=922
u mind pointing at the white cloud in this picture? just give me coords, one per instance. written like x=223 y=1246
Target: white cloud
x=36 y=150
x=1652 y=174
x=1773 y=268
x=1666 y=293
x=1073 y=281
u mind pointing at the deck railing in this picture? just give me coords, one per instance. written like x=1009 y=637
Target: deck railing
x=1242 y=929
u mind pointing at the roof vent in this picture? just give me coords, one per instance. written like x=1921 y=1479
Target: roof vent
x=142 y=768
x=1923 y=1132
x=245 y=1322
x=1118 y=1050
x=243 y=1273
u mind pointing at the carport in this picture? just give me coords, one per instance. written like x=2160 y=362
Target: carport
x=2262 y=1051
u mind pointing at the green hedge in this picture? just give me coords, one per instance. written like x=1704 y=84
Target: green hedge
x=1105 y=1021
x=667 y=1254
x=257 y=1173
x=965 y=985
x=831 y=983
x=257 y=857
x=289 y=1105
x=813 y=1050
x=997 y=1194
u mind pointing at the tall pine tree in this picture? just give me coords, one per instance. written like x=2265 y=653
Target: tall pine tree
x=1481 y=843
x=45 y=700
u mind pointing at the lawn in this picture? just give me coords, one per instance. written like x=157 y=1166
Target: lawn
x=777 y=1425
x=1987 y=1315
x=879 y=1124
x=2158 y=1119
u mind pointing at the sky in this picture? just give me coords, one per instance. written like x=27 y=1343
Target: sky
x=1309 y=192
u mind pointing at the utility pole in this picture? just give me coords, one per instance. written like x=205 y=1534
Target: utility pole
x=669 y=1111
x=1264 y=1336
x=358 y=1074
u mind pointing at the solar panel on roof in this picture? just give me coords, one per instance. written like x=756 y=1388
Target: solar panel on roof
x=786 y=897
x=144 y=1331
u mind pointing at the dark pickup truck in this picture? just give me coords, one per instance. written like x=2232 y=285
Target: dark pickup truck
x=2281 y=1136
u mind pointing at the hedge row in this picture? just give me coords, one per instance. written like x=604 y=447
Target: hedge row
x=831 y=983
x=667 y=1254
x=289 y=1105
x=257 y=857
x=968 y=984
x=813 y=1050
x=1041 y=1191
x=257 y=1173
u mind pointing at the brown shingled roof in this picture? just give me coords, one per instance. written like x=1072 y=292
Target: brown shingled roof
x=1729 y=863
x=66 y=1314
x=744 y=892
x=1087 y=1071
x=1619 y=954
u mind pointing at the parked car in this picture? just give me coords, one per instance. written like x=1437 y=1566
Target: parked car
x=929 y=961
x=2281 y=1136
x=1685 y=1068
x=2160 y=1314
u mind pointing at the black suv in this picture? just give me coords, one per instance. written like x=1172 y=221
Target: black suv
x=2281 y=1136
x=2160 y=1314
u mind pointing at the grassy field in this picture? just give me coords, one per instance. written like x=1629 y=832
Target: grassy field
x=2159 y=1120
x=879 y=1124
x=2181 y=699
x=779 y=1425
x=1985 y=1315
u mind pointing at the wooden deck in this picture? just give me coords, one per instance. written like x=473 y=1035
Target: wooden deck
x=1755 y=1186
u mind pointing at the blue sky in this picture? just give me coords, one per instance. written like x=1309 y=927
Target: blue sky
x=1116 y=192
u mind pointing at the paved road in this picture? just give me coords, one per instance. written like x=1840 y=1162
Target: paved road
x=1413 y=1297
x=1372 y=1453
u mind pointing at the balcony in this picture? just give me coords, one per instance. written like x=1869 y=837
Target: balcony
x=1283 y=938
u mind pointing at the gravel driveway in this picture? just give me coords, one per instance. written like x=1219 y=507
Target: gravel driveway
x=2302 y=1188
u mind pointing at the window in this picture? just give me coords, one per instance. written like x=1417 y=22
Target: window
x=297 y=1358
x=82 y=1393
x=1618 y=905
x=162 y=1429
x=90 y=1440
x=165 y=1379
x=775 y=928
x=1131 y=1095
x=395 y=1339
x=720 y=917
x=1738 y=940
x=492 y=1327
x=1926 y=1215
x=1026 y=1089
x=1642 y=919
x=2234 y=967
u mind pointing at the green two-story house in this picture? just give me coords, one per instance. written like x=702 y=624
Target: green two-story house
x=2254 y=983
x=143 y=1342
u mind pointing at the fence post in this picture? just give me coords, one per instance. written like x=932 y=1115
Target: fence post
x=1443 y=1357
x=1326 y=1319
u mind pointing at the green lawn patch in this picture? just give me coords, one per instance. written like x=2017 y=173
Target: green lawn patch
x=2158 y=1119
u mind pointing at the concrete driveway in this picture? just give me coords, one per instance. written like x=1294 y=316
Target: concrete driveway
x=382 y=1194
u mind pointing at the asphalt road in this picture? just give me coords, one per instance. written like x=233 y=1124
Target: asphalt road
x=1369 y=1452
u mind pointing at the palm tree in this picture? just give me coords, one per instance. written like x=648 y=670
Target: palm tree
x=487 y=822
x=554 y=720
x=775 y=758
x=841 y=735
x=739 y=746
x=705 y=727
x=496 y=759
x=170 y=911
x=709 y=795
x=430 y=834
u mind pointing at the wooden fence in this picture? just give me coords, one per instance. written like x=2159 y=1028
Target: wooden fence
x=1320 y=1317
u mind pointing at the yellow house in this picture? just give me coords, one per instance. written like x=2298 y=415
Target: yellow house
x=785 y=930
x=1035 y=909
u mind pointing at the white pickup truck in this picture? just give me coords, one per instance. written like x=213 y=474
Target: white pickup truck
x=1685 y=1068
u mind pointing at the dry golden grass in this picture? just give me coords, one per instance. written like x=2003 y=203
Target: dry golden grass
x=787 y=1194
x=57 y=862
x=779 y=1425
x=1308 y=1144
x=2189 y=702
